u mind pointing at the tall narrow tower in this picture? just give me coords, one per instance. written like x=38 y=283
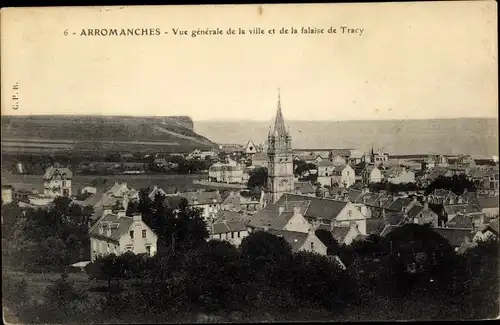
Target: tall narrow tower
x=279 y=151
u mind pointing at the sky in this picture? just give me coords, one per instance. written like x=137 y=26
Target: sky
x=412 y=61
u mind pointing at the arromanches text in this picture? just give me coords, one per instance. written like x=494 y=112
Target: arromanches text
x=120 y=32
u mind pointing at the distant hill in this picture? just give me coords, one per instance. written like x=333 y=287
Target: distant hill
x=50 y=133
x=475 y=136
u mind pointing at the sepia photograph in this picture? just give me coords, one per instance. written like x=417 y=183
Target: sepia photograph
x=250 y=163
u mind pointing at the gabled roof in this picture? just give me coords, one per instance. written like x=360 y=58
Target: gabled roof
x=445 y=194
x=118 y=226
x=325 y=163
x=52 y=171
x=294 y=238
x=310 y=207
x=399 y=204
x=453 y=209
x=224 y=227
x=460 y=221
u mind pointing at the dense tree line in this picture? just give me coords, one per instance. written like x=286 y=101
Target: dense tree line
x=45 y=239
x=412 y=273
x=457 y=184
x=394 y=188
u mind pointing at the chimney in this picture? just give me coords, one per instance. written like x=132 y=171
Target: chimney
x=281 y=209
x=137 y=217
x=426 y=205
x=296 y=210
x=155 y=187
x=121 y=214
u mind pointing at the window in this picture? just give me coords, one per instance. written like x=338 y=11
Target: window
x=238 y=234
x=148 y=249
x=129 y=248
x=131 y=234
x=64 y=183
x=312 y=246
x=232 y=235
x=349 y=213
x=144 y=233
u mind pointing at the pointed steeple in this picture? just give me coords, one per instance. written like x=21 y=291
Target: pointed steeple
x=279 y=122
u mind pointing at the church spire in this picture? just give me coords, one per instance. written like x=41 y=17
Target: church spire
x=279 y=122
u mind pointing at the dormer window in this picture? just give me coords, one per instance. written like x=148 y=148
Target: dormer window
x=131 y=234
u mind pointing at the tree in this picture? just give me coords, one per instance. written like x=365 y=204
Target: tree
x=264 y=245
x=300 y=167
x=258 y=177
x=457 y=184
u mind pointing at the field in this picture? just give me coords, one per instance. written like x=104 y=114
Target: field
x=35 y=182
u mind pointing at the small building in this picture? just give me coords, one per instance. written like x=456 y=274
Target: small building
x=209 y=201
x=231 y=231
x=118 y=233
x=57 y=182
x=230 y=172
x=6 y=194
x=300 y=241
x=344 y=176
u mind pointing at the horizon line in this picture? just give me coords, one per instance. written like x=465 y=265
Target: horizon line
x=255 y=120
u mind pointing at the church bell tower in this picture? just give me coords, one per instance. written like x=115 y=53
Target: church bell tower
x=279 y=151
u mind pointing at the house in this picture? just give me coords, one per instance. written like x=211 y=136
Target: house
x=487 y=231
x=235 y=201
x=155 y=191
x=250 y=148
x=344 y=235
x=57 y=182
x=399 y=175
x=344 y=153
x=437 y=161
x=379 y=158
x=301 y=241
x=453 y=210
x=489 y=205
x=231 y=231
x=230 y=172
x=284 y=217
x=344 y=176
x=202 y=155
x=210 y=202
x=338 y=160
x=118 y=233
x=316 y=211
x=6 y=194
x=441 y=196
x=421 y=214
x=372 y=174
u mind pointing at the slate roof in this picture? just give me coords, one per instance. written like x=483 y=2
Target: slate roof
x=304 y=187
x=488 y=202
x=460 y=221
x=399 y=204
x=224 y=227
x=453 y=209
x=294 y=238
x=355 y=196
x=339 y=233
x=51 y=171
x=225 y=215
x=325 y=163
x=415 y=210
x=118 y=226
x=445 y=194
x=310 y=207
x=374 y=226
x=494 y=224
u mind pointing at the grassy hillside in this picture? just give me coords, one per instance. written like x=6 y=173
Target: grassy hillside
x=95 y=133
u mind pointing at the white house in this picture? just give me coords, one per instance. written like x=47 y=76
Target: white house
x=118 y=233
x=344 y=176
x=57 y=182
x=230 y=172
x=373 y=174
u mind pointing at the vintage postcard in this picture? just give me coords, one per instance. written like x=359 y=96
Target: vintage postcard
x=250 y=163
